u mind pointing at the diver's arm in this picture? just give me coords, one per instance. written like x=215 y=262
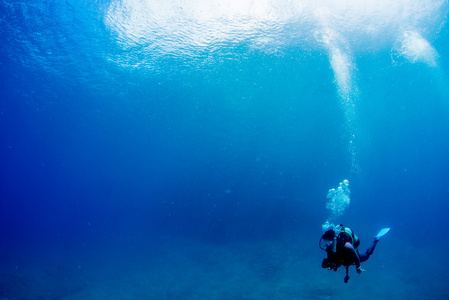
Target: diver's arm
x=356 y=259
x=355 y=255
x=357 y=262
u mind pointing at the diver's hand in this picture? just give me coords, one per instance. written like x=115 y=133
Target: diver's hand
x=360 y=270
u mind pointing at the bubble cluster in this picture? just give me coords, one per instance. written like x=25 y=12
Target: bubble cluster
x=415 y=49
x=338 y=201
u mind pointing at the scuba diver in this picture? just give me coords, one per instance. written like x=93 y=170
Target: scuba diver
x=341 y=245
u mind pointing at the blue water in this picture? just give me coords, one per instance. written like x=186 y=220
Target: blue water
x=185 y=151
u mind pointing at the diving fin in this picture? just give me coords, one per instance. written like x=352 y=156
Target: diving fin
x=381 y=233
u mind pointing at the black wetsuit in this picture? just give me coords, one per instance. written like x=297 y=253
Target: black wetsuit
x=346 y=256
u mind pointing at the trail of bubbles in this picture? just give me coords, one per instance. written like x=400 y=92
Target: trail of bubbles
x=344 y=71
x=347 y=91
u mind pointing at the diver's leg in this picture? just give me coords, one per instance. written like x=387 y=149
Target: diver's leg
x=364 y=257
x=370 y=250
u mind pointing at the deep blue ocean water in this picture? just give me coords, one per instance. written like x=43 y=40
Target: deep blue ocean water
x=184 y=150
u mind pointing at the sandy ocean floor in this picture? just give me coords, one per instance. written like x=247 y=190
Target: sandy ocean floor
x=175 y=268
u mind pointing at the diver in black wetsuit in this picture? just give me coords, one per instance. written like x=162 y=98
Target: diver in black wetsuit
x=341 y=246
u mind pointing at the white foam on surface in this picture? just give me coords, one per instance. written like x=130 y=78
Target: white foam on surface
x=191 y=24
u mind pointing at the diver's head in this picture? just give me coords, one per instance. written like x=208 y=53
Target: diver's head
x=328 y=241
x=329 y=235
